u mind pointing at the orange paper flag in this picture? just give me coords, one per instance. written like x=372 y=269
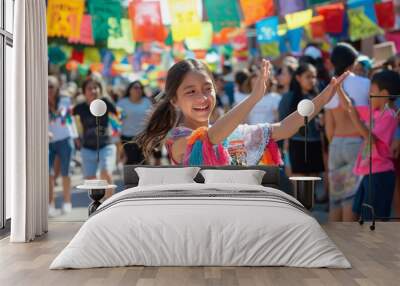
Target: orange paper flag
x=146 y=21
x=255 y=10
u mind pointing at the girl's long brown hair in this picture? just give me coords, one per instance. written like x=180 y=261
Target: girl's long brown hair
x=164 y=117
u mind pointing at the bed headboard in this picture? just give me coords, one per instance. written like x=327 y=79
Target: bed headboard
x=270 y=179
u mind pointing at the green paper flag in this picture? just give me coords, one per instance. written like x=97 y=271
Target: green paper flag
x=270 y=50
x=202 y=42
x=222 y=13
x=101 y=10
x=124 y=41
x=360 y=26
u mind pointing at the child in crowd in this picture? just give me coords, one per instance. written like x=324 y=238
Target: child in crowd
x=384 y=123
x=182 y=116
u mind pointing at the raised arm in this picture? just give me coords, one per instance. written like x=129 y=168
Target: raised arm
x=224 y=126
x=291 y=124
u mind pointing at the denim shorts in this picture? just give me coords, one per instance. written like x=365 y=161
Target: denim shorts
x=343 y=152
x=63 y=149
x=107 y=160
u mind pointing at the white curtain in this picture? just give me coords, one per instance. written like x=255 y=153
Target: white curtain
x=26 y=123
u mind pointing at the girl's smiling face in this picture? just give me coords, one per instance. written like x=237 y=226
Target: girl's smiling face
x=195 y=98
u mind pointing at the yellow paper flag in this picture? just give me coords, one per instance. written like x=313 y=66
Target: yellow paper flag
x=91 y=55
x=185 y=19
x=64 y=18
x=282 y=29
x=270 y=50
x=360 y=26
x=204 y=40
x=298 y=19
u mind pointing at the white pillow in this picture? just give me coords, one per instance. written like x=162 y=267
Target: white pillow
x=166 y=176
x=248 y=177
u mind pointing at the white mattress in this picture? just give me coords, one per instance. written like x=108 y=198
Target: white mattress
x=201 y=231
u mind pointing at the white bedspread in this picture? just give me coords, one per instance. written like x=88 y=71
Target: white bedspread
x=183 y=231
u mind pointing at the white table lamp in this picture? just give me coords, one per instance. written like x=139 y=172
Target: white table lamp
x=98 y=108
x=305 y=108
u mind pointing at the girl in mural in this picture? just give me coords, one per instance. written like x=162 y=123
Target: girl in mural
x=181 y=120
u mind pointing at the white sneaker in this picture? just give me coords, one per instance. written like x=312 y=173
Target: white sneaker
x=53 y=212
x=66 y=208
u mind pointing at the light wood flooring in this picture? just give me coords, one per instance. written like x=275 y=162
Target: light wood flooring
x=375 y=257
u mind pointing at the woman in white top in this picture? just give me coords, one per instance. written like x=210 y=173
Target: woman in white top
x=62 y=131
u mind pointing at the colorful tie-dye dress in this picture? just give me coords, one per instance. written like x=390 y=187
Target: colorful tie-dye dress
x=246 y=145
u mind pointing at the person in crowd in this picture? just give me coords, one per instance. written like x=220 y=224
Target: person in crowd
x=242 y=86
x=222 y=101
x=313 y=55
x=303 y=86
x=182 y=115
x=134 y=106
x=344 y=137
x=384 y=83
x=108 y=128
x=229 y=84
x=395 y=148
x=285 y=73
x=393 y=63
x=363 y=66
x=284 y=77
x=266 y=110
x=62 y=132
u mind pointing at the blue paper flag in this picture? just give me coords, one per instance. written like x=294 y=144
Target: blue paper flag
x=368 y=5
x=294 y=36
x=267 y=30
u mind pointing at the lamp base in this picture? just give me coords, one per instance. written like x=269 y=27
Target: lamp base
x=96 y=195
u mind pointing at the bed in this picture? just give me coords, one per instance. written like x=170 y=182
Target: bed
x=198 y=224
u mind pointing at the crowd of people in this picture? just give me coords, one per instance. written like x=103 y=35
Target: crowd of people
x=243 y=111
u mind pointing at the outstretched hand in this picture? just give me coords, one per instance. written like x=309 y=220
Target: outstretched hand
x=260 y=86
x=335 y=83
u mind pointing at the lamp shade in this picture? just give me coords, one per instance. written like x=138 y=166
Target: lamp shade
x=305 y=108
x=98 y=107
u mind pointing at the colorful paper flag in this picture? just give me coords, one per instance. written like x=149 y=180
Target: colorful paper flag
x=91 y=55
x=86 y=35
x=360 y=26
x=101 y=10
x=146 y=19
x=367 y=5
x=185 y=19
x=317 y=26
x=202 y=42
x=333 y=16
x=298 y=19
x=385 y=14
x=64 y=18
x=294 y=37
x=288 y=7
x=125 y=41
x=222 y=14
x=267 y=30
x=394 y=37
x=77 y=55
x=270 y=50
x=255 y=10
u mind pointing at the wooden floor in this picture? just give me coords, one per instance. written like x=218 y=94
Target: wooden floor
x=375 y=257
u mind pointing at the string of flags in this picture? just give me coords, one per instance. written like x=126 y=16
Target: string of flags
x=198 y=26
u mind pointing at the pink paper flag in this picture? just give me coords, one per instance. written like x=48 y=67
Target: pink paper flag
x=86 y=36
